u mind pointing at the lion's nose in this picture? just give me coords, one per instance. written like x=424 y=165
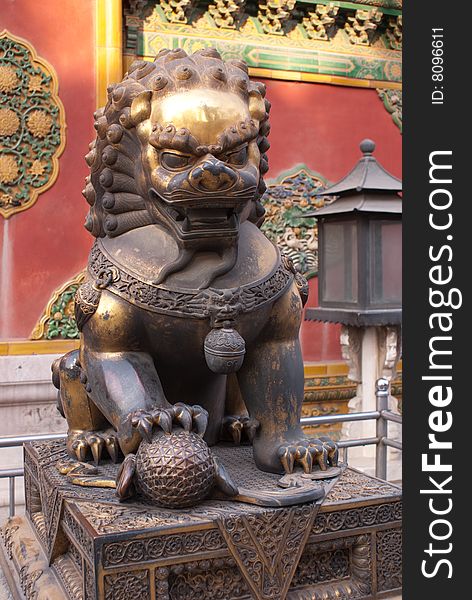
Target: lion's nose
x=212 y=175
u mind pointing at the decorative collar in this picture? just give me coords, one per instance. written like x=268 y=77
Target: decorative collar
x=217 y=304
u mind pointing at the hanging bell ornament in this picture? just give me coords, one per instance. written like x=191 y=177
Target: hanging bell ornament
x=224 y=350
x=87 y=297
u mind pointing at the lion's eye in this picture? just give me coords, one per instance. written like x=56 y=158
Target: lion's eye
x=238 y=158
x=169 y=160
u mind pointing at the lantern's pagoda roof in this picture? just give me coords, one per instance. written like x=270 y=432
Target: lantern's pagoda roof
x=368 y=187
x=367 y=175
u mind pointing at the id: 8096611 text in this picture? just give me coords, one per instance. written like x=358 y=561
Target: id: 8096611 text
x=437 y=65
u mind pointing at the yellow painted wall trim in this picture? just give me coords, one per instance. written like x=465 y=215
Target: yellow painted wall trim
x=318 y=78
x=28 y=347
x=331 y=369
x=109 y=50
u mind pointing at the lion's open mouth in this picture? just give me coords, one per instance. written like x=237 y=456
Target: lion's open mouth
x=216 y=218
x=204 y=221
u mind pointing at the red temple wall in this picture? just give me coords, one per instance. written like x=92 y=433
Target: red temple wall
x=46 y=245
x=316 y=124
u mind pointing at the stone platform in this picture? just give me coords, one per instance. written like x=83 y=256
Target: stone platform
x=80 y=543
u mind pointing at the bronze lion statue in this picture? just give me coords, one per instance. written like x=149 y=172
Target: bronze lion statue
x=190 y=315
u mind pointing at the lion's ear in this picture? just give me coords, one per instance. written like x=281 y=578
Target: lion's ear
x=141 y=107
x=256 y=106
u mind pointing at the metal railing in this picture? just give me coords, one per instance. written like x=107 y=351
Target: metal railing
x=382 y=416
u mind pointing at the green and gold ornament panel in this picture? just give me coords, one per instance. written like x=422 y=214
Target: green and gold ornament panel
x=358 y=41
x=32 y=127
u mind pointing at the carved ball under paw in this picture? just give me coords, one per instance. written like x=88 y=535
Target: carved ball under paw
x=174 y=470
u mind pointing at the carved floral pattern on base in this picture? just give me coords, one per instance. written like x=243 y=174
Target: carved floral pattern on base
x=32 y=127
x=389 y=559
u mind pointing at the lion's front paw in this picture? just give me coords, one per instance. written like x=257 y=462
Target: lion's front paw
x=81 y=444
x=308 y=453
x=190 y=418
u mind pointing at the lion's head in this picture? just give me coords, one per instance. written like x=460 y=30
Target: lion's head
x=181 y=143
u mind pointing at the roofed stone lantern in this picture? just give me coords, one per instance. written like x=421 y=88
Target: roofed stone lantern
x=359 y=246
x=360 y=276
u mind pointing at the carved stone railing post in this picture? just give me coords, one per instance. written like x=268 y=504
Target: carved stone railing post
x=320 y=23
x=390 y=344
x=351 y=344
x=273 y=14
x=362 y=26
x=370 y=352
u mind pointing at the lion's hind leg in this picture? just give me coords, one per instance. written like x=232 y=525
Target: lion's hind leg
x=89 y=433
x=237 y=425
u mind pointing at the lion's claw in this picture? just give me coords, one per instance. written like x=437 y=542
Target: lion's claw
x=250 y=426
x=183 y=415
x=83 y=443
x=80 y=448
x=113 y=448
x=200 y=419
x=236 y=426
x=163 y=418
x=143 y=423
x=188 y=417
x=124 y=480
x=305 y=457
x=287 y=456
x=309 y=453
x=332 y=448
x=96 y=445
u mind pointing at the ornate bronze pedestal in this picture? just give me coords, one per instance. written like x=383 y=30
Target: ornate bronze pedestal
x=82 y=543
